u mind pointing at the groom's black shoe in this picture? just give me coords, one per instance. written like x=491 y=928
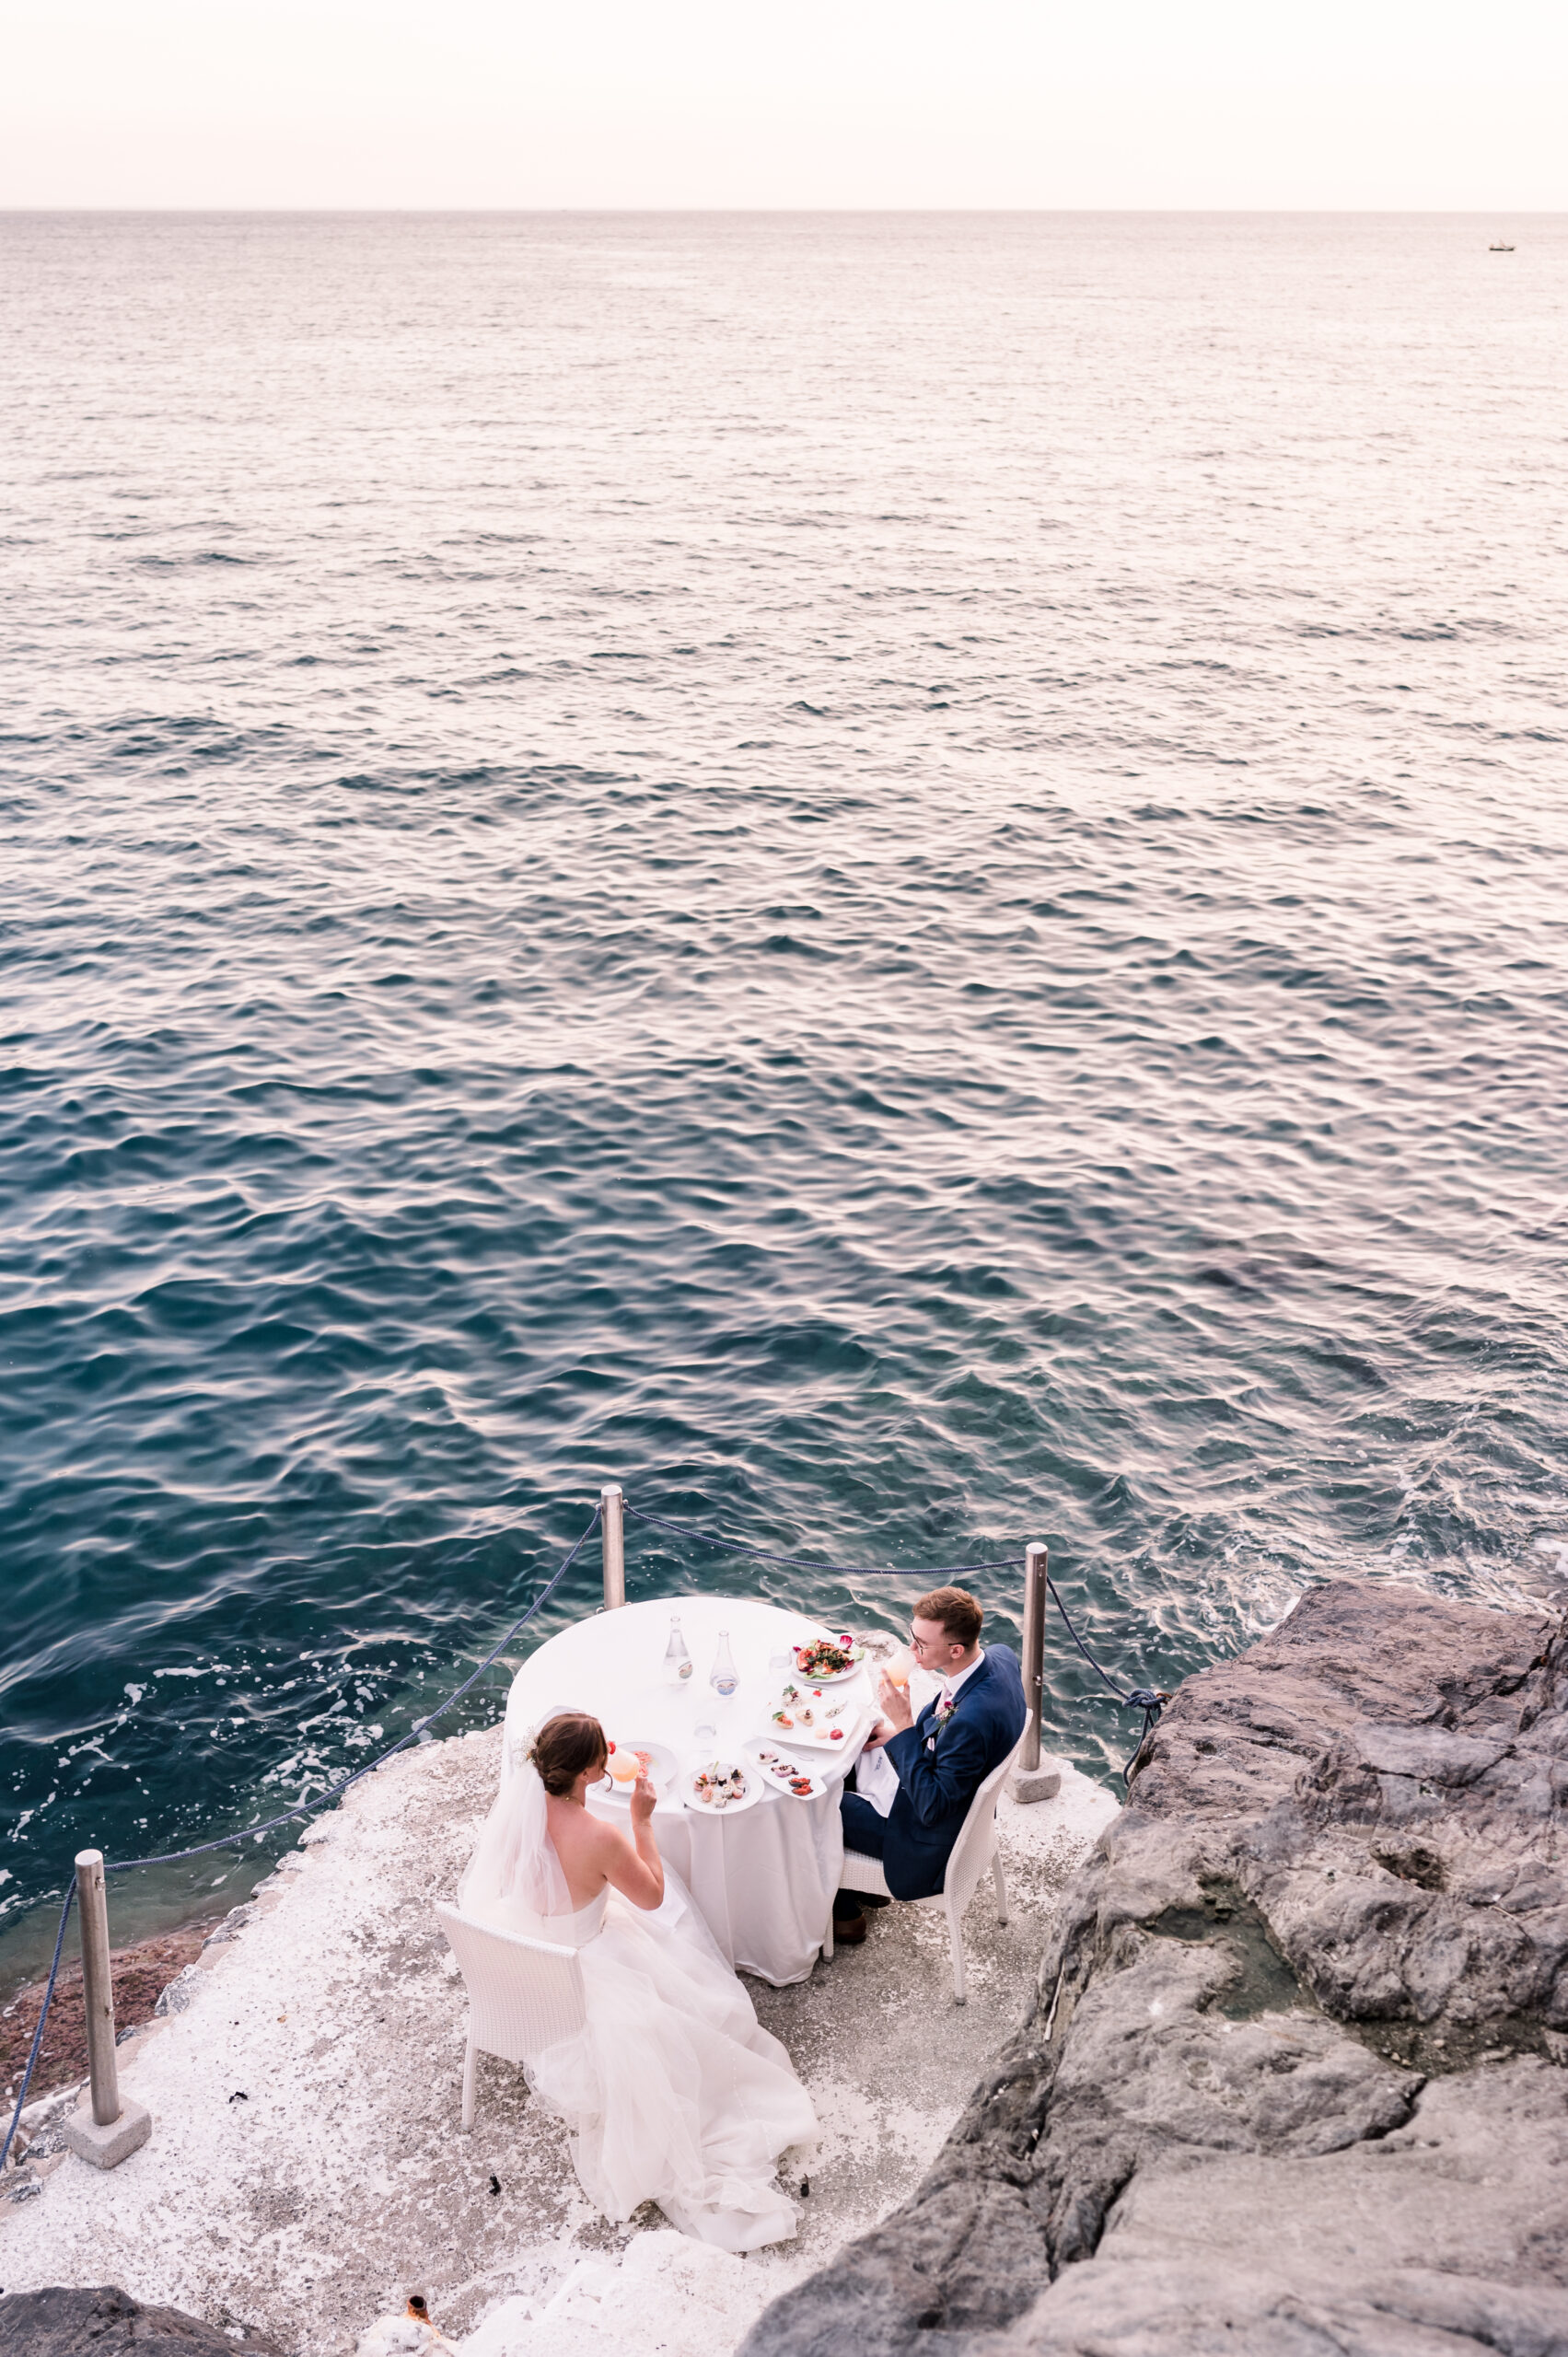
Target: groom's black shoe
x=874 y=1898
x=849 y=1923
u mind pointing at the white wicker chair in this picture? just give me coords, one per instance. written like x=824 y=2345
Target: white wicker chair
x=523 y=1995
x=967 y=1861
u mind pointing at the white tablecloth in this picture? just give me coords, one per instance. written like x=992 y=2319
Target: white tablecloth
x=764 y=1878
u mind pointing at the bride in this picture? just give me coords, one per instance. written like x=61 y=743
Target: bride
x=672 y=2091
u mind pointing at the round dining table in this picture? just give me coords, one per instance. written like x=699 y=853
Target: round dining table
x=763 y=1876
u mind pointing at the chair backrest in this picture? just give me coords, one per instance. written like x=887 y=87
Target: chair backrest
x=970 y=1854
x=524 y=1995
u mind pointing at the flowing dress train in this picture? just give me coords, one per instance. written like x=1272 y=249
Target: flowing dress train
x=672 y=2091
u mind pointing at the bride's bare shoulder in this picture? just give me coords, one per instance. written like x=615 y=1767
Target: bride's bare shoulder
x=588 y=1835
x=609 y=1841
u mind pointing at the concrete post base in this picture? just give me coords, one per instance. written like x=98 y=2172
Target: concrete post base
x=1042 y=1783
x=106 y=2147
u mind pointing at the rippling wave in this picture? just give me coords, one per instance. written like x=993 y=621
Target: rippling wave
x=899 y=879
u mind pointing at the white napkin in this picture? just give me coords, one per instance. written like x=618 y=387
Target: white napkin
x=877 y=1779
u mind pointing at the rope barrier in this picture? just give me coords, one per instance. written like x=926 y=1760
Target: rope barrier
x=1148 y=1699
x=43 y=2017
x=804 y=1562
x=324 y=1799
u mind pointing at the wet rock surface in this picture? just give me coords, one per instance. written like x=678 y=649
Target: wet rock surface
x=1291 y=2083
x=140 y=1974
x=103 y=2321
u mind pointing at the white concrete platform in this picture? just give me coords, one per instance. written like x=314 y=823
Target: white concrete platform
x=305 y=2171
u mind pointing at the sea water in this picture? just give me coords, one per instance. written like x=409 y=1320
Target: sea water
x=900 y=880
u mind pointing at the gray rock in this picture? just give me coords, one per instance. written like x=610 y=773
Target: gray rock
x=48 y=2137
x=1292 y=2085
x=107 y=2322
x=41 y=2128
x=177 y=1996
x=233 y=1924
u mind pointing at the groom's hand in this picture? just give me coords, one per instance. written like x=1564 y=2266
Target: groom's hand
x=895 y=1704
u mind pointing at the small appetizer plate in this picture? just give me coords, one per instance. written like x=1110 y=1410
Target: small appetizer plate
x=702 y=1805
x=803 y=1781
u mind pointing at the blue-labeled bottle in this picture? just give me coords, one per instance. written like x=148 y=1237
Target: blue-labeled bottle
x=724 y=1676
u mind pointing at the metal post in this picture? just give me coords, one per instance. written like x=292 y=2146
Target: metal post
x=108 y=2130
x=1030 y=1780
x=612 y=1530
x=98 y=1986
x=1034 y=1651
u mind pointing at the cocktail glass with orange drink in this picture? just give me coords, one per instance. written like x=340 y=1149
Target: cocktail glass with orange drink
x=896 y=1669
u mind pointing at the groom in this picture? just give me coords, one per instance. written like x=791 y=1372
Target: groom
x=916 y=1778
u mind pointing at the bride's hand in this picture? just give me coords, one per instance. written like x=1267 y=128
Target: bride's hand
x=641 y=1800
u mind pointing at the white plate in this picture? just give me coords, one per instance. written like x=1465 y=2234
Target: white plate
x=819 y=1735
x=755 y=1746
x=663 y=1767
x=832 y=1677
x=693 y=1768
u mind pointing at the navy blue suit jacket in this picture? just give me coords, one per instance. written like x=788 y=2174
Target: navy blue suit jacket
x=940 y=1772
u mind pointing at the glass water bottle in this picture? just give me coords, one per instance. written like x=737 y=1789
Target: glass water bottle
x=723 y=1677
x=676 y=1660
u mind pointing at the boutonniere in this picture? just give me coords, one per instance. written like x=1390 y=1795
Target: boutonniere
x=944 y=1711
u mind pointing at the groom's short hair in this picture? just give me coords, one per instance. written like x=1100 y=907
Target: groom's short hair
x=956 y=1608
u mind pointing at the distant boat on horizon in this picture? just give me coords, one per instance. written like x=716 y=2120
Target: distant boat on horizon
x=1497 y=246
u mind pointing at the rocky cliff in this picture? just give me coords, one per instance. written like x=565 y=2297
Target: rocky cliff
x=1291 y=2083
x=104 y=2321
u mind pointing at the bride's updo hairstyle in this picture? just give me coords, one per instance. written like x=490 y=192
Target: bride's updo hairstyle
x=564 y=1747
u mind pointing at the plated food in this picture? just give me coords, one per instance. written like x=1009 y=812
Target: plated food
x=721 y=1785
x=779 y=1768
x=812 y=1716
x=825 y=1661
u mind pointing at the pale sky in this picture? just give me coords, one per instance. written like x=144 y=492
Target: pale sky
x=1375 y=104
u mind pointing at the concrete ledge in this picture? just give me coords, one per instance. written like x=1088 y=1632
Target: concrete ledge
x=307 y=2100
x=1042 y=1783
x=106 y=2147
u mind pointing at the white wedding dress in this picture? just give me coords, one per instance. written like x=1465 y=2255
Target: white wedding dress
x=672 y=2091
